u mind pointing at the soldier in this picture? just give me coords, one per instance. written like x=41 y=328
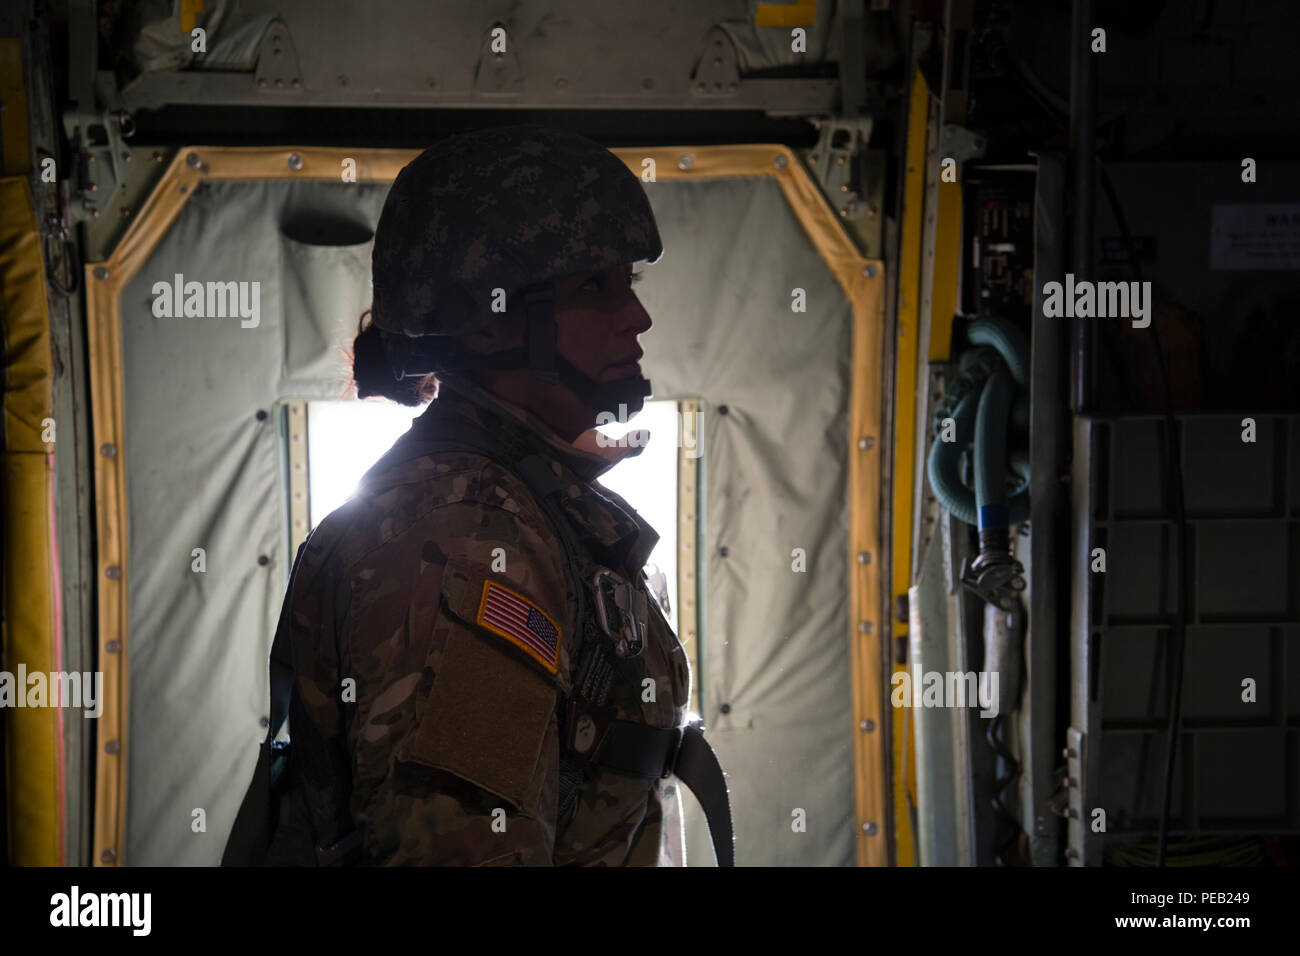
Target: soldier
x=480 y=675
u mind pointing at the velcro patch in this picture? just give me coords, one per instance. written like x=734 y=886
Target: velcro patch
x=521 y=622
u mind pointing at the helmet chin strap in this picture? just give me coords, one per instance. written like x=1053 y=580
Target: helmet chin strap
x=622 y=398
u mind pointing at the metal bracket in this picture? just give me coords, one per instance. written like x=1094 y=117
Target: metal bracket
x=277 y=60
x=717 y=71
x=498 y=74
x=1077 y=827
x=835 y=162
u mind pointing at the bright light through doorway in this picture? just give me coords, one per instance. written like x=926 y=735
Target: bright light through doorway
x=648 y=482
x=345 y=438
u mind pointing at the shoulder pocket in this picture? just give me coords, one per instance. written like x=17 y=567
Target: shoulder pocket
x=490 y=705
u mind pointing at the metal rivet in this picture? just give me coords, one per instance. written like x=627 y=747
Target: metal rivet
x=864 y=557
x=724 y=708
x=264 y=721
x=279 y=83
x=263 y=560
x=839 y=160
x=112 y=747
x=685 y=161
x=261 y=81
x=870 y=829
x=867 y=726
x=113 y=647
x=869 y=270
x=724 y=551
x=731 y=87
x=561 y=82
x=261 y=415
x=157 y=157
x=866 y=443
x=781 y=162
x=192 y=160
x=295 y=161
x=866 y=627
x=342 y=80
x=113 y=572
x=108 y=856
x=101 y=272
x=723 y=409
x=108 y=449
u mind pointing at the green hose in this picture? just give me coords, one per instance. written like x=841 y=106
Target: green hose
x=983 y=416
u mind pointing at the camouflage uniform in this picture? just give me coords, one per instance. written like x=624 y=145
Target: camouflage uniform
x=458 y=730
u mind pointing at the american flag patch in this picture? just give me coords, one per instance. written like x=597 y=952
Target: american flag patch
x=521 y=622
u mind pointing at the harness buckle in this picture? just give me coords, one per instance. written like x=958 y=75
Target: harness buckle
x=628 y=632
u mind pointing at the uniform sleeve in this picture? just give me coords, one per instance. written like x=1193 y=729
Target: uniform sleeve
x=320 y=769
x=456 y=636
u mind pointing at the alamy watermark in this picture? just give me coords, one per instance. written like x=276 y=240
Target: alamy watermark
x=55 y=689
x=208 y=300
x=1101 y=300
x=688 y=432
x=947 y=689
x=75 y=908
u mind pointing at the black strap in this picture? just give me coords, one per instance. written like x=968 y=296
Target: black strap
x=645 y=751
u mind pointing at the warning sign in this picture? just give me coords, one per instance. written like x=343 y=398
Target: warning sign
x=1255 y=236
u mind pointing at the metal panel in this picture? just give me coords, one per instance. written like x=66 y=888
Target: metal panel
x=1047 y=466
x=1236 y=755
x=557 y=54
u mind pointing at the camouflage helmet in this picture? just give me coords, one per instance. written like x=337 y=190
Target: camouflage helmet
x=507 y=207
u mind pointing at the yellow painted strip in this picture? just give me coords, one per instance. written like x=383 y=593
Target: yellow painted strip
x=904 y=470
x=35 y=817
x=13 y=118
x=801 y=13
x=190 y=10
x=947 y=258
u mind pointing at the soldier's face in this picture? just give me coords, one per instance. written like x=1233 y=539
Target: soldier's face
x=598 y=318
